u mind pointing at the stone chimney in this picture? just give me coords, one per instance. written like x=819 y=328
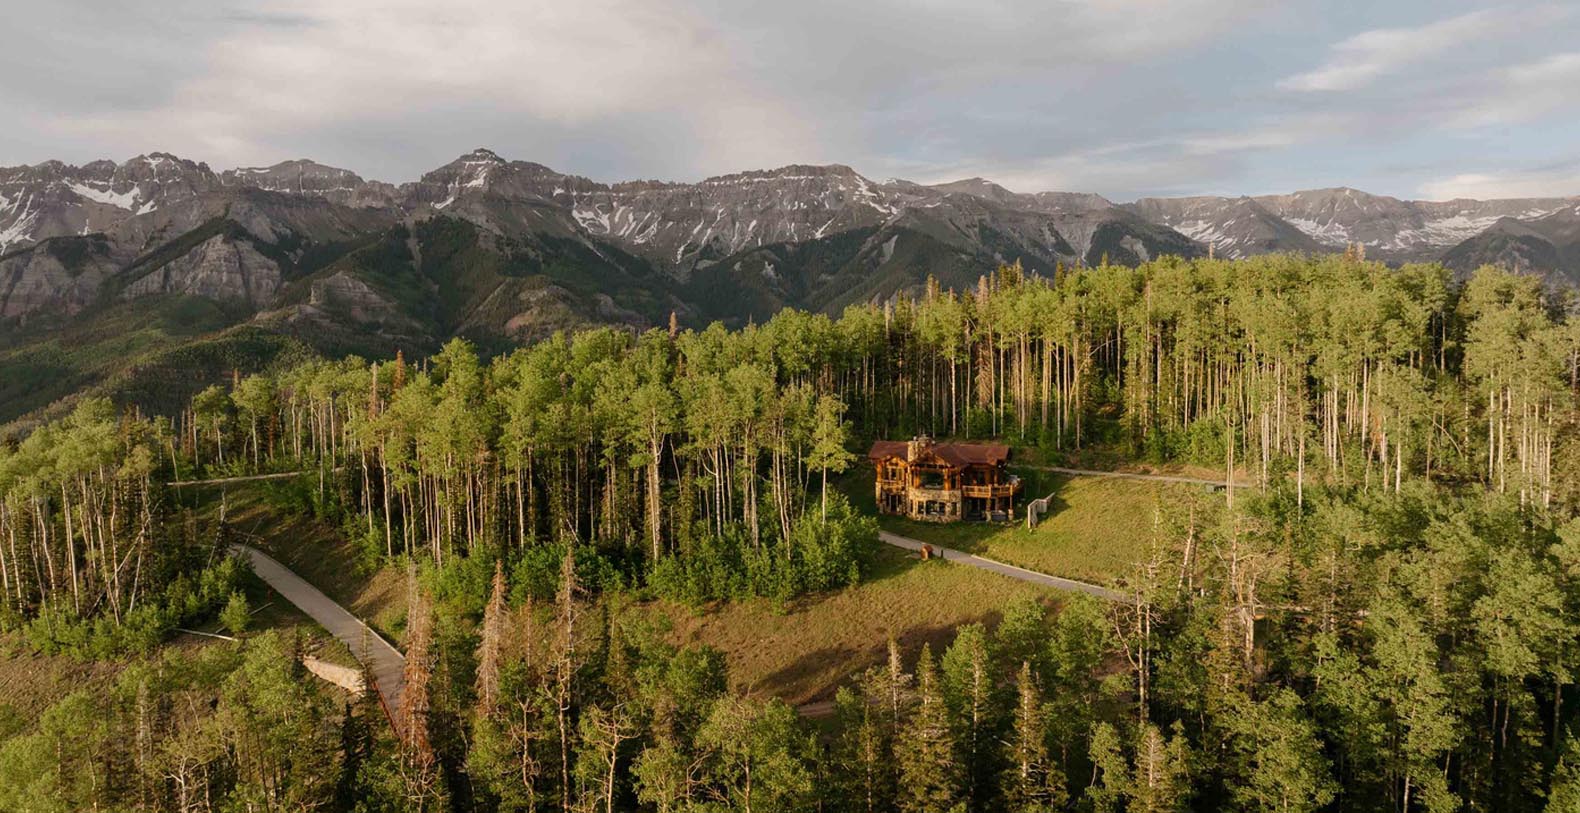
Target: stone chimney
x=915 y=446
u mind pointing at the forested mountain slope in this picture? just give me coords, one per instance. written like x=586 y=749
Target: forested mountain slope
x=1380 y=610
x=504 y=252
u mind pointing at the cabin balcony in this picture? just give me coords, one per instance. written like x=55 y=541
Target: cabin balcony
x=989 y=492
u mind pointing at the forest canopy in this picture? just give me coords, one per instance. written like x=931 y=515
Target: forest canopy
x=1381 y=620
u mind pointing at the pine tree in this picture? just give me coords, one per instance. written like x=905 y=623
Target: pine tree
x=1031 y=782
x=1111 y=783
x=1564 y=793
x=967 y=687
x=864 y=752
x=563 y=668
x=929 y=775
x=1160 y=781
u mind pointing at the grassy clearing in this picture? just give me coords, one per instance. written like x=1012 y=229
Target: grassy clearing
x=1095 y=530
x=1108 y=457
x=30 y=683
x=809 y=648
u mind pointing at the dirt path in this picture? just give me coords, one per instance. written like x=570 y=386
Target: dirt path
x=1127 y=475
x=248 y=478
x=993 y=566
x=383 y=660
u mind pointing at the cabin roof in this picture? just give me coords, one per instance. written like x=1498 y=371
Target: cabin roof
x=954 y=454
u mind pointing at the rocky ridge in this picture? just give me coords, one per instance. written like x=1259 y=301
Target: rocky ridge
x=296 y=235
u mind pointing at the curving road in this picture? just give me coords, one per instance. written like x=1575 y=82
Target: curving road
x=383 y=660
x=994 y=566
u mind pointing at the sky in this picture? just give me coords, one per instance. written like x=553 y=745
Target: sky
x=1424 y=99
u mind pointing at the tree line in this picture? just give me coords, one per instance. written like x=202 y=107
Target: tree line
x=1325 y=369
x=1383 y=624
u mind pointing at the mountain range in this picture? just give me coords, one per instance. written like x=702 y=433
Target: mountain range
x=506 y=251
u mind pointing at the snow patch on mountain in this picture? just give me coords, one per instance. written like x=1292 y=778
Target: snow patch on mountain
x=124 y=200
x=590 y=218
x=20 y=230
x=1213 y=234
x=1330 y=233
x=1442 y=231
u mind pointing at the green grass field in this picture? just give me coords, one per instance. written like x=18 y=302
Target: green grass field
x=1096 y=528
x=804 y=651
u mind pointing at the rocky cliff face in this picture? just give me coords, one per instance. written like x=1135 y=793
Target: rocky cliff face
x=684 y=228
x=54 y=199
x=1548 y=245
x=1233 y=227
x=220 y=268
x=1330 y=219
x=674 y=226
x=63 y=275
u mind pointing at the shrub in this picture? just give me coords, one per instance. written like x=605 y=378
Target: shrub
x=536 y=575
x=236 y=614
x=59 y=630
x=819 y=555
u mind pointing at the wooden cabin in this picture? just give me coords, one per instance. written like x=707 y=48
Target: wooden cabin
x=943 y=482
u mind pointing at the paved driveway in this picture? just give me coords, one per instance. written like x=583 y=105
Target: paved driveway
x=383 y=660
x=972 y=560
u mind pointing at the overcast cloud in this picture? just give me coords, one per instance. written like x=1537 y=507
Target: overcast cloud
x=1121 y=97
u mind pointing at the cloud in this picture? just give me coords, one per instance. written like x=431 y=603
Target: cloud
x=1369 y=55
x=1283 y=131
x=676 y=87
x=1120 y=169
x=1121 y=97
x=1561 y=180
x=1526 y=92
x=384 y=63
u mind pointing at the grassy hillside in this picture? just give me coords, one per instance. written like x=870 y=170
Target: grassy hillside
x=1095 y=530
x=804 y=651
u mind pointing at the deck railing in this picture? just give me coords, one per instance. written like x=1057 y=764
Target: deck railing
x=998 y=490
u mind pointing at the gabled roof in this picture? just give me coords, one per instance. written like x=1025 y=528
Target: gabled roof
x=887 y=448
x=953 y=454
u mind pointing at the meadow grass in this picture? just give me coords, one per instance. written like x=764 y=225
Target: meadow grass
x=804 y=650
x=1095 y=530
